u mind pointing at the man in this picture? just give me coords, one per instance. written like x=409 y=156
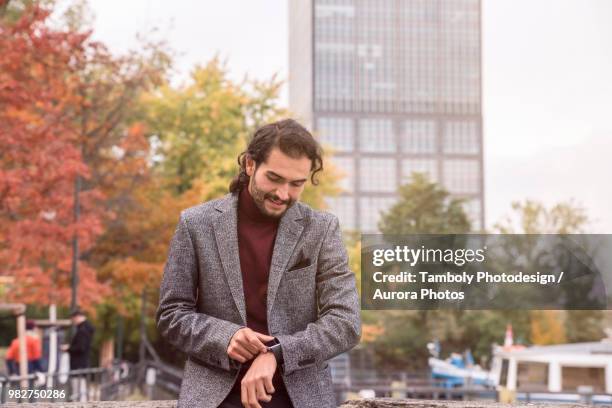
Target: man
x=79 y=350
x=257 y=290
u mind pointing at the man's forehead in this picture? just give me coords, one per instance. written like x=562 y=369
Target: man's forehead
x=286 y=166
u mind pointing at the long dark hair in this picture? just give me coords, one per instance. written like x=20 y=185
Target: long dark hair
x=290 y=137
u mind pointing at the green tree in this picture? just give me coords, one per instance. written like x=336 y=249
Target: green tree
x=532 y=217
x=199 y=128
x=12 y=10
x=424 y=207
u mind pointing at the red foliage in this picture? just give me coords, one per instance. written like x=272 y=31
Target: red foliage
x=40 y=158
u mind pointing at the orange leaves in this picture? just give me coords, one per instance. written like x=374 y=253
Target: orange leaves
x=370 y=332
x=135 y=275
x=40 y=161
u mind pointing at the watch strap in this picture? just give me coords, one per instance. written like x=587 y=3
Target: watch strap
x=275 y=347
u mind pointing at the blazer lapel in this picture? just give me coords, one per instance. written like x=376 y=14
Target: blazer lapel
x=226 y=235
x=289 y=231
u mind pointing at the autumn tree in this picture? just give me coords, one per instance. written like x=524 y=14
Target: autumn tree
x=547 y=327
x=70 y=135
x=40 y=159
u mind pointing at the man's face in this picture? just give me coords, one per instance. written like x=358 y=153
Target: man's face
x=277 y=183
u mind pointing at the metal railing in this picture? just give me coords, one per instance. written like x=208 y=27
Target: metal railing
x=91 y=384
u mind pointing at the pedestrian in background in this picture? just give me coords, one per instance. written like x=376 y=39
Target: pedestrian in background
x=79 y=349
x=33 y=351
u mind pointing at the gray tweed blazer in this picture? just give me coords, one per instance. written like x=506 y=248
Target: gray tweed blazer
x=313 y=310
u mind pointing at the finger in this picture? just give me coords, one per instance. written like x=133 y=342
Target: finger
x=247 y=344
x=237 y=357
x=240 y=351
x=243 y=352
x=256 y=342
x=262 y=395
x=244 y=396
x=269 y=386
x=252 y=396
x=264 y=337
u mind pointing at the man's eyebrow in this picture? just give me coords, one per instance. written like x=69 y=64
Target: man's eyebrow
x=270 y=172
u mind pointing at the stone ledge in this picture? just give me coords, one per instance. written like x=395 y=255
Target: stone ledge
x=406 y=403
x=368 y=403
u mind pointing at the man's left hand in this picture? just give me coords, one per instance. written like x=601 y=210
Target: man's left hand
x=257 y=382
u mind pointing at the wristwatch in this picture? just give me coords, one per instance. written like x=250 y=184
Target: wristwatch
x=275 y=347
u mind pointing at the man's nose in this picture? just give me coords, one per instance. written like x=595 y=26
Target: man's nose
x=283 y=193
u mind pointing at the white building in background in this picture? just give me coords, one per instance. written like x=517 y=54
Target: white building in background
x=393 y=87
x=572 y=368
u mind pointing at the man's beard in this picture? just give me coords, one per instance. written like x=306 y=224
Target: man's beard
x=260 y=196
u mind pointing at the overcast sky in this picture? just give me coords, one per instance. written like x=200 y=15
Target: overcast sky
x=547 y=83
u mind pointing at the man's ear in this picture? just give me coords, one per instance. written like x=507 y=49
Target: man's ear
x=250 y=166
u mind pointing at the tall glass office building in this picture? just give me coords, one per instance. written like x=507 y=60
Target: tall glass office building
x=393 y=86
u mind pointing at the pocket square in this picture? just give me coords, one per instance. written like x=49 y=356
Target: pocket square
x=301 y=263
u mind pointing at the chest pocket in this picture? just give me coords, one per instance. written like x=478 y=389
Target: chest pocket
x=306 y=273
x=297 y=296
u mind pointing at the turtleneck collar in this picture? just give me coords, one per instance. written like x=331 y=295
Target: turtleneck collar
x=247 y=208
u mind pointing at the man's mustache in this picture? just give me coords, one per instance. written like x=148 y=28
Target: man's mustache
x=275 y=198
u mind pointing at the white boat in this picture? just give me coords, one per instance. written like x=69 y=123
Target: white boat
x=454 y=373
x=457 y=370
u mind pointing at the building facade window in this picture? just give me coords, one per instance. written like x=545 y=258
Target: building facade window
x=377 y=174
x=461 y=137
x=344 y=209
x=462 y=176
x=335 y=55
x=346 y=166
x=370 y=209
x=419 y=136
x=376 y=67
x=337 y=132
x=376 y=135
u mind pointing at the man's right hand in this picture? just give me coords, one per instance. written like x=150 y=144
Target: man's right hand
x=246 y=344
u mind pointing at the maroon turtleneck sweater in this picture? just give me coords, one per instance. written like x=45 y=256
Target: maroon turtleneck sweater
x=256 y=236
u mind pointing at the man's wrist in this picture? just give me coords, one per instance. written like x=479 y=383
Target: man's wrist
x=275 y=348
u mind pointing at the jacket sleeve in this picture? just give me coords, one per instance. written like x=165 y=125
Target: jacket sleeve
x=338 y=327
x=202 y=337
